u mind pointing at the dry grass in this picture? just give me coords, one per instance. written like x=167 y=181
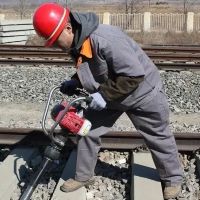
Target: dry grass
x=139 y=8
x=169 y=38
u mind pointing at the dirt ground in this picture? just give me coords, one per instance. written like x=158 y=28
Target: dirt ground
x=30 y=115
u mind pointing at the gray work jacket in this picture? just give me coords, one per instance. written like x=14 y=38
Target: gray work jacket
x=115 y=54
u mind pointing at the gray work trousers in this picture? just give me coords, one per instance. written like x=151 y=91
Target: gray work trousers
x=152 y=121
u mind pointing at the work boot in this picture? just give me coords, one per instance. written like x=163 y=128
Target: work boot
x=171 y=191
x=71 y=185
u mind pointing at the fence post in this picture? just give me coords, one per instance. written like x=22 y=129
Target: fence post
x=147 y=21
x=190 y=22
x=106 y=18
x=2 y=16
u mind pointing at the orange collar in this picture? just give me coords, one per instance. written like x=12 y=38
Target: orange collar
x=86 y=49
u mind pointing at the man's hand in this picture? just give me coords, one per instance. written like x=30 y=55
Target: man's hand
x=69 y=87
x=98 y=103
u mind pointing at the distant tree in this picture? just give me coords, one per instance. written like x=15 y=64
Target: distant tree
x=59 y=1
x=149 y=3
x=133 y=6
x=161 y=2
x=185 y=7
x=65 y=2
x=22 y=7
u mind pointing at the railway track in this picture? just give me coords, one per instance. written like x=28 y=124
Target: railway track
x=135 y=191
x=143 y=174
x=165 y=57
x=25 y=142
x=112 y=140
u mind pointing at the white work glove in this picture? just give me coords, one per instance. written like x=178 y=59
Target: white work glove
x=98 y=103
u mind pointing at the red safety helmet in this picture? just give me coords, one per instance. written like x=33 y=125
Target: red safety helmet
x=49 y=21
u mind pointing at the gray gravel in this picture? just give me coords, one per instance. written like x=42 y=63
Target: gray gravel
x=32 y=84
x=112 y=180
x=48 y=181
x=25 y=84
x=190 y=187
x=183 y=90
x=22 y=84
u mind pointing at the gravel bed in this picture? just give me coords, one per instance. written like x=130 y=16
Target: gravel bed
x=175 y=127
x=31 y=84
x=48 y=181
x=25 y=84
x=190 y=187
x=112 y=177
x=183 y=90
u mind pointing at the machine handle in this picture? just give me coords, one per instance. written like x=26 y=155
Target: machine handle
x=88 y=100
x=47 y=108
x=50 y=134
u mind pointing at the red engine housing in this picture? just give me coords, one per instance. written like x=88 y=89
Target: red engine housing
x=71 y=120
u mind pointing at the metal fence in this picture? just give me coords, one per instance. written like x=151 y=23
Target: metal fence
x=155 y=22
x=100 y=18
x=197 y=22
x=18 y=30
x=168 y=22
x=128 y=21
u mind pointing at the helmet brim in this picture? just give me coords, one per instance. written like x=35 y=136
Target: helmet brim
x=51 y=41
x=60 y=29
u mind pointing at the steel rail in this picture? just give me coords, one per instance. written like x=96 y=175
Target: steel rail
x=60 y=52
x=174 y=56
x=189 y=48
x=151 y=48
x=29 y=60
x=177 y=66
x=17 y=58
x=21 y=48
x=165 y=60
x=112 y=140
x=163 y=65
x=33 y=54
x=52 y=54
x=167 y=48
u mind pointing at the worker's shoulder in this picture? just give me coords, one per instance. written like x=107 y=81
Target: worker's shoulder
x=104 y=30
x=107 y=32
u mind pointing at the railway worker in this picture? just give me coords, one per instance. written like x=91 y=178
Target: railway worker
x=120 y=78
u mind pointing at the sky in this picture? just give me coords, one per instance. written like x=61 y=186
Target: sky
x=12 y=2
